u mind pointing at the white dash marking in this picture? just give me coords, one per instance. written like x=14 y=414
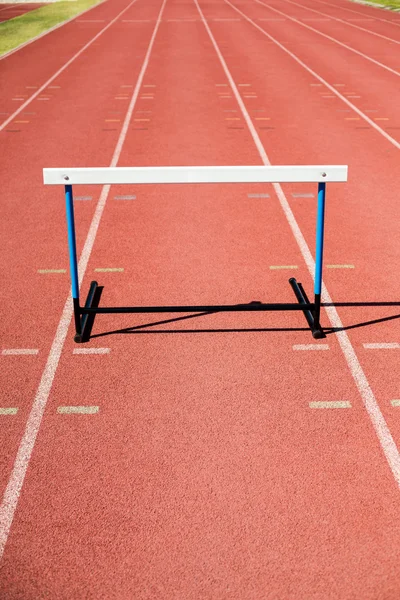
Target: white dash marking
x=78 y=410
x=284 y=267
x=303 y=195
x=311 y=347
x=339 y=266
x=83 y=198
x=382 y=346
x=91 y=351
x=45 y=271
x=19 y=351
x=331 y=404
x=8 y=411
x=258 y=195
x=109 y=270
x=395 y=402
x=124 y=197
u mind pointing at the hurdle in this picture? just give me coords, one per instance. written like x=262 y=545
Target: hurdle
x=196 y=175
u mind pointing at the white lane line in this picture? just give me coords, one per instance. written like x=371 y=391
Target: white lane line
x=124 y=197
x=382 y=431
x=395 y=402
x=19 y=351
x=318 y=12
x=311 y=347
x=83 y=198
x=46 y=271
x=16 y=480
x=283 y=267
x=331 y=404
x=109 y=270
x=390 y=139
x=328 y=37
x=340 y=266
x=382 y=346
x=91 y=351
x=258 y=195
x=65 y=66
x=8 y=411
x=78 y=410
x=303 y=195
x=37 y=37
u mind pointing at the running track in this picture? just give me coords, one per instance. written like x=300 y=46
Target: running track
x=9 y=11
x=204 y=473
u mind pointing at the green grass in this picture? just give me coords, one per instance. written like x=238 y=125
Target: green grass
x=21 y=29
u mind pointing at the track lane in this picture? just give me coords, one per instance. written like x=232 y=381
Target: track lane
x=381 y=55
x=374 y=261
x=15 y=10
x=336 y=17
x=354 y=88
x=363 y=11
x=17 y=72
x=32 y=212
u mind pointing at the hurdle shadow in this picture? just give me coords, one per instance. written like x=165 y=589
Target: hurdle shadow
x=330 y=330
x=146 y=328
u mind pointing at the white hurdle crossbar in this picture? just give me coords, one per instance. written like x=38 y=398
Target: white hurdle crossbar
x=196 y=175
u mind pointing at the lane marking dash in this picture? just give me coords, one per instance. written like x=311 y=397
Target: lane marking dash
x=8 y=411
x=19 y=351
x=284 y=267
x=340 y=266
x=91 y=351
x=331 y=404
x=311 y=347
x=258 y=195
x=78 y=410
x=382 y=346
x=109 y=270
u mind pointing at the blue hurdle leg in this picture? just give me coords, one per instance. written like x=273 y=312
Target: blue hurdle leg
x=73 y=264
x=317 y=331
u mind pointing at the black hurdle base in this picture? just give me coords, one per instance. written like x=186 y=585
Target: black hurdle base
x=84 y=316
x=311 y=311
x=84 y=323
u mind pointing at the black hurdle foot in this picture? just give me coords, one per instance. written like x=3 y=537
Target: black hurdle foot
x=309 y=308
x=86 y=323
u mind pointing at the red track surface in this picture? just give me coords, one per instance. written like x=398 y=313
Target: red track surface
x=205 y=473
x=9 y=11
